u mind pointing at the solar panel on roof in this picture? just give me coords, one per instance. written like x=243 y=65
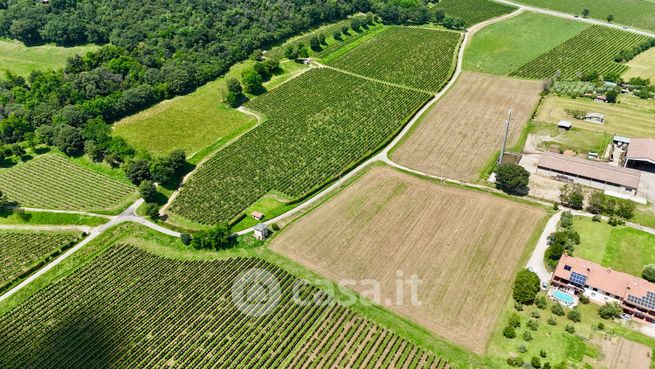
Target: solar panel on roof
x=578 y=279
x=647 y=301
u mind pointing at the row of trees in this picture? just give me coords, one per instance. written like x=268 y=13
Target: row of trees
x=572 y=195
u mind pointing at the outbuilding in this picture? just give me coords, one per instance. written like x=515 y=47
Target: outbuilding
x=597 y=118
x=257 y=215
x=564 y=125
x=641 y=154
x=261 y=231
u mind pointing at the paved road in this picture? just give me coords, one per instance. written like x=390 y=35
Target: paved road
x=556 y=13
x=129 y=215
x=536 y=262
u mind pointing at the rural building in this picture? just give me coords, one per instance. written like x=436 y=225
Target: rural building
x=602 y=285
x=261 y=231
x=564 y=124
x=597 y=118
x=641 y=154
x=601 y=98
x=590 y=173
x=257 y=215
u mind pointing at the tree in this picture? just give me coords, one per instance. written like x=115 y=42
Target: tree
x=438 y=15
x=148 y=191
x=152 y=210
x=4 y=201
x=514 y=320
x=541 y=302
x=527 y=336
x=511 y=178
x=252 y=81
x=574 y=316
x=234 y=95
x=610 y=18
x=611 y=96
x=585 y=13
x=216 y=238
x=137 y=170
x=572 y=195
x=533 y=324
x=509 y=332
x=69 y=140
x=337 y=35
x=161 y=170
x=177 y=159
x=17 y=150
x=610 y=310
x=186 y=239
x=315 y=43
x=93 y=151
x=526 y=287
x=625 y=209
x=535 y=362
x=649 y=273
x=291 y=53
x=557 y=309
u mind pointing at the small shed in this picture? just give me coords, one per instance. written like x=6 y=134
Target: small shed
x=257 y=215
x=621 y=140
x=564 y=125
x=601 y=98
x=261 y=231
x=595 y=118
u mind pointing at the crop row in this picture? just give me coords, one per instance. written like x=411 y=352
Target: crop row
x=473 y=11
x=21 y=251
x=52 y=182
x=416 y=57
x=592 y=50
x=318 y=125
x=130 y=308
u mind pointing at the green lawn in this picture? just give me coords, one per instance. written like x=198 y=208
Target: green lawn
x=503 y=47
x=621 y=248
x=642 y=66
x=21 y=60
x=576 y=139
x=634 y=13
x=45 y=218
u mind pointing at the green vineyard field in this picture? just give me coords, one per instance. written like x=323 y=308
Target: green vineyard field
x=410 y=56
x=592 y=50
x=473 y=11
x=21 y=251
x=132 y=309
x=318 y=125
x=52 y=182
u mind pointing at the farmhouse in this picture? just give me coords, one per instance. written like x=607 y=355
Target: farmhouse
x=641 y=154
x=590 y=173
x=597 y=118
x=603 y=285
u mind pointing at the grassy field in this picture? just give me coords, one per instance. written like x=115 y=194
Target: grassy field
x=21 y=251
x=632 y=117
x=577 y=139
x=621 y=248
x=503 y=47
x=46 y=218
x=465 y=128
x=642 y=66
x=635 y=13
x=317 y=126
x=97 y=290
x=592 y=50
x=389 y=223
x=53 y=182
x=415 y=57
x=588 y=344
x=198 y=123
x=474 y=11
x=22 y=60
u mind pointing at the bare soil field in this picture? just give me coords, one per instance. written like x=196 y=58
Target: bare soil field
x=461 y=133
x=620 y=353
x=464 y=246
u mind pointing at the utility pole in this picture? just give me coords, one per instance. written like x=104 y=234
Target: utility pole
x=502 y=152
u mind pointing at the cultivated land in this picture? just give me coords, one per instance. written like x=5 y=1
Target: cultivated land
x=592 y=50
x=620 y=248
x=631 y=118
x=415 y=57
x=473 y=11
x=21 y=251
x=465 y=246
x=503 y=47
x=464 y=129
x=47 y=218
x=306 y=141
x=636 y=13
x=53 y=182
x=643 y=65
x=131 y=308
x=22 y=60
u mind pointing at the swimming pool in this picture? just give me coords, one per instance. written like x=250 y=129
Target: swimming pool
x=564 y=297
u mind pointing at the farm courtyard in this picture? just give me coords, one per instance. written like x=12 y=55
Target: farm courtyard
x=450 y=238
x=464 y=130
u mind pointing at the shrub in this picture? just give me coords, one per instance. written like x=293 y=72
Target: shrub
x=649 y=272
x=583 y=299
x=527 y=336
x=541 y=302
x=536 y=362
x=566 y=220
x=526 y=287
x=610 y=311
x=515 y=361
x=572 y=195
x=511 y=178
x=533 y=324
x=601 y=326
x=215 y=238
x=570 y=328
x=552 y=321
x=509 y=332
x=518 y=306
x=574 y=316
x=555 y=206
x=275 y=227
x=186 y=238
x=614 y=221
x=148 y=191
x=535 y=314
x=596 y=218
x=522 y=348
x=152 y=210
x=543 y=353
x=557 y=309
x=514 y=320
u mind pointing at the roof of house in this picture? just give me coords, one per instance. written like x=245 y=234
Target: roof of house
x=257 y=214
x=641 y=149
x=590 y=169
x=636 y=290
x=260 y=227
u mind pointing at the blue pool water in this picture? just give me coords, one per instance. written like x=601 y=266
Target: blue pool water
x=565 y=297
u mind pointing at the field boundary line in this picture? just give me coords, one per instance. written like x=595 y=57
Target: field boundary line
x=321 y=65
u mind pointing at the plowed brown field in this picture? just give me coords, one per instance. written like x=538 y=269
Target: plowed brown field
x=459 y=135
x=464 y=245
